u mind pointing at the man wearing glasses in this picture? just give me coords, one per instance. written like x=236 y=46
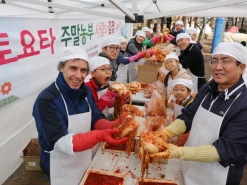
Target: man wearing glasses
x=110 y=50
x=69 y=122
x=216 y=149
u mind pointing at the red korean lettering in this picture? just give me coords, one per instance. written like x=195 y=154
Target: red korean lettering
x=28 y=50
x=43 y=39
x=3 y=60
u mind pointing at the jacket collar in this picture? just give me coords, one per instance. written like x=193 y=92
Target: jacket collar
x=227 y=93
x=66 y=90
x=97 y=85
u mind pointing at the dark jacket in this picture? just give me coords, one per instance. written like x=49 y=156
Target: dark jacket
x=175 y=33
x=51 y=117
x=192 y=58
x=232 y=142
x=123 y=57
x=134 y=47
x=113 y=65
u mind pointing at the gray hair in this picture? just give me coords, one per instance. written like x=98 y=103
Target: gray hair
x=61 y=65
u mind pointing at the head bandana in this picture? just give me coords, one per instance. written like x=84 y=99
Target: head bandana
x=191 y=31
x=140 y=33
x=185 y=82
x=235 y=50
x=179 y=22
x=122 y=39
x=72 y=52
x=173 y=55
x=183 y=36
x=97 y=61
x=109 y=40
x=145 y=29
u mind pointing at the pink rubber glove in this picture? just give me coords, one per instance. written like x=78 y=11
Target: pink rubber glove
x=87 y=140
x=155 y=39
x=152 y=52
x=137 y=57
x=109 y=97
x=102 y=124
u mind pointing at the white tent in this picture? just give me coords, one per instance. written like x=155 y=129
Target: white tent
x=118 y=9
x=16 y=121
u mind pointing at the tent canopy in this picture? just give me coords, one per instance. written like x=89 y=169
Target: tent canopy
x=119 y=9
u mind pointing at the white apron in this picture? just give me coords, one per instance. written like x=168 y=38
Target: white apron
x=122 y=73
x=108 y=112
x=67 y=169
x=194 y=80
x=177 y=110
x=204 y=131
x=170 y=83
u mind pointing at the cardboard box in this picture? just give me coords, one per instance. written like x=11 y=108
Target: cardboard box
x=31 y=155
x=147 y=73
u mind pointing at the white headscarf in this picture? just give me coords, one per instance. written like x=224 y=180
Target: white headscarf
x=191 y=31
x=173 y=55
x=145 y=29
x=72 y=52
x=140 y=33
x=186 y=82
x=182 y=36
x=235 y=50
x=109 y=40
x=179 y=22
x=97 y=61
x=122 y=39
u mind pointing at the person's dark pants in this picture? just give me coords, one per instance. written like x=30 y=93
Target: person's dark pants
x=45 y=172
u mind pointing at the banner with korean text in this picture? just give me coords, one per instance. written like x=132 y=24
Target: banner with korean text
x=29 y=49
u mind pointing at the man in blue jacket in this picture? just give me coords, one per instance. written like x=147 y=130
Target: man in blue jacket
x=216 y=149
x=69 y=122
x=179 y=28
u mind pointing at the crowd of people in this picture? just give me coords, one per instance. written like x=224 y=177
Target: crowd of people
x=75 y=112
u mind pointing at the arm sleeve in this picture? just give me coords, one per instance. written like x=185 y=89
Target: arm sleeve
x=148 y=42
x=121 y=59
x=174 y=41
x=189 y=60
x=50 y=123
x=132 y=48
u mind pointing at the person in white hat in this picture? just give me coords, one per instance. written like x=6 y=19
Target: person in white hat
x=193 y=32
x=124 y=59
x=69 y=122
x=215 y=152
x=134 y=46
x=182 y=95
x=110 y=50
x=179 y=25
x=192 y=60
x=101 y=71
x=175 y=71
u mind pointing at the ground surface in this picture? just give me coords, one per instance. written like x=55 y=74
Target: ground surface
x=23 y=177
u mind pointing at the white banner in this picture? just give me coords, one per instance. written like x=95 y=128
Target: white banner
x=29 y=47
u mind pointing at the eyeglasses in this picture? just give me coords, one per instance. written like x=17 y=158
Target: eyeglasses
x=112 y=49
x=106 y=69
x=223 y=62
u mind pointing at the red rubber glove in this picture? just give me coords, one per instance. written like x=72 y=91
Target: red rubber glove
x=109 y=97
x=151 y=52
x=155 y=39
x=102 y=124
x=87 y=140
x=137 y=57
